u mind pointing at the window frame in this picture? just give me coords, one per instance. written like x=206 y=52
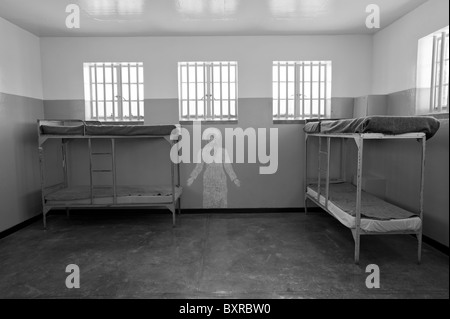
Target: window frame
x=118 y=82
x=439 y=68
x=300 y=100
x=206 y=87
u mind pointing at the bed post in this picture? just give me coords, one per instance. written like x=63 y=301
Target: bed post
x=174 y=204
x=319 y=166
x=42 y=174
x=422 y=184
x=113 y=164
x=359 y=142
x=327 y=183
x=65 y=168
x=343 y=160
x=179 y=181
x=90 y=170
x=305 y=177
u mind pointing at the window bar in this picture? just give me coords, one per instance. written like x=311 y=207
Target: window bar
x=113 y=93
x=311 y=90
x=104 y=93
x=229 y=90
x=208 y=73
x=287 y=91
x=296 y=93
x=236 y=89
x=187 y=92
x=119 y=91
x=196 y=94
x=279 y=90
x=180 y=89
x=325 y=94
x=441 y=73
x=303 y=90
x=221 y=103
x=213 y=113
x=90 y=93
x=436 y=77
x=205 y=91
x=130 y=115
x=137 y=91
x=433 y=71
x=96 y=92
x=320 y=96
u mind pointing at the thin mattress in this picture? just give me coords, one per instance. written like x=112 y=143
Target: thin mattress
x=377 y=216
x=104 y=195
x=110 y=130
x=391 y=125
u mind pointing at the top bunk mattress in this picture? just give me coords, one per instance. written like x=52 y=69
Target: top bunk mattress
x=130 y=130
x=108 y=130
x=391 y=125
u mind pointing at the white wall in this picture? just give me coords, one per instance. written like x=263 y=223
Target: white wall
x=20 y=62
x=394 y=69
x=352 y=60
x=20 y=106
x=62 y=58
x=395 y=47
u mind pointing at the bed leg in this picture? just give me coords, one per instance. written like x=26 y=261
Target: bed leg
x=306 y=205
x=174 y=218
x=44 y=217
x=179 y=206
x=419 y=249
x=172 y=207
x=357 y=247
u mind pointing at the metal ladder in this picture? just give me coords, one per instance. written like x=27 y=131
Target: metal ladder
x=93 y=171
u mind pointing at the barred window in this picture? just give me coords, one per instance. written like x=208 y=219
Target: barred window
x=207 y=90
x=301 y=90
x=439 y=73
x=114 y=91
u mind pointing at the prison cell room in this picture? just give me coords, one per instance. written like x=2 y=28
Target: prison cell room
x=215 y=150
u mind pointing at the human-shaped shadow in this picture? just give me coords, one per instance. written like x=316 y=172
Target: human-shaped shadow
x=215 y=189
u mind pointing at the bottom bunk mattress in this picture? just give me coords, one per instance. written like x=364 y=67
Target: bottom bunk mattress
x=103 y=195
x=377 y=216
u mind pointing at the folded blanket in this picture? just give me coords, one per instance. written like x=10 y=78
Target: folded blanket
x=392 y=125
x=62 y=130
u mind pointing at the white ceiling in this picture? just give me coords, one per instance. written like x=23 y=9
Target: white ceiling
x=202 y=17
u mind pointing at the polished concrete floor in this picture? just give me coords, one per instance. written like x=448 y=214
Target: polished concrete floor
x=138 y=255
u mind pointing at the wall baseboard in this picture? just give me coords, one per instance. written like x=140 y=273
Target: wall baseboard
x=20 y=226
x=248 y=210
x=436 y=245
x=156 y=210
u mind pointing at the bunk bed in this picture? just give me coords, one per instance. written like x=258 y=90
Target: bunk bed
x=361 y=212
x=66 y=196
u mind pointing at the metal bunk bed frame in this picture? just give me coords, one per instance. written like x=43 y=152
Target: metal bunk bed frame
x=174 y=205
x=359 y=139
